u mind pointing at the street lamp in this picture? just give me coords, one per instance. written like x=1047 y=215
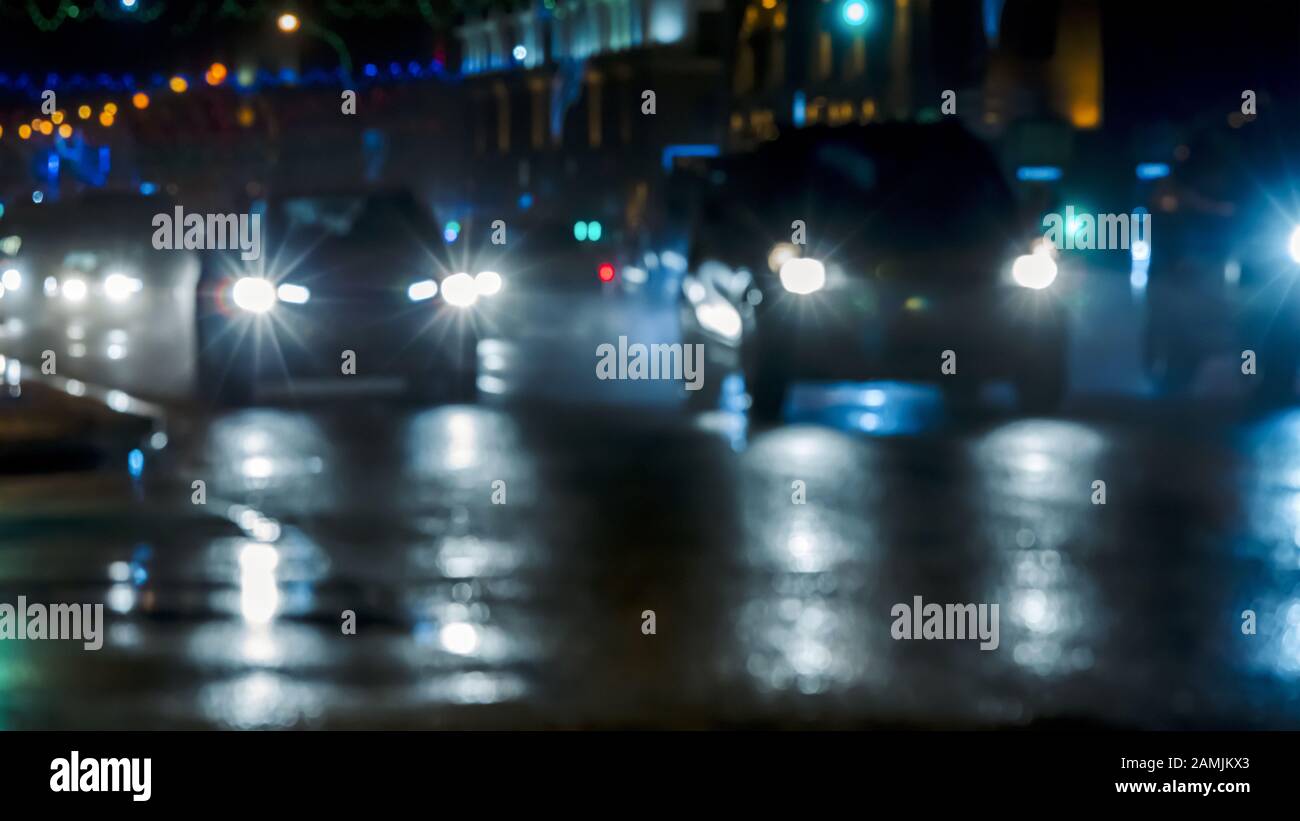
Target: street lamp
x=290 y=23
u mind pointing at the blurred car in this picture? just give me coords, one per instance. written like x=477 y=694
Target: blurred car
x=1224 y=262
x=81 y=279
x=361 y=272
x=912 y=248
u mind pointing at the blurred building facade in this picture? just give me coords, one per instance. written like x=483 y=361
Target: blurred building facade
x=583 y=101
x=555 y=90
x=548 y=101
x=834 y=62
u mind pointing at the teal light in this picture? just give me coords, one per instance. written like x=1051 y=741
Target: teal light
x=1071 y=221
x=854 y=12
x=580 y=231
x=594 y=231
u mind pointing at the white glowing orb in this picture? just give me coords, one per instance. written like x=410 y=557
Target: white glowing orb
x=74 y=290
x=459 y=290
x=1036 y=270
x=119 y=287
x=254 y=294
x=488 y=283
x=459 y=637
x=803 y=276
x=295 y=294
x=422 y=290
x=720 y=317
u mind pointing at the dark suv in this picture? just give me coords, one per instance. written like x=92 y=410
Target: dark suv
x=360 y=272
x=910 y=248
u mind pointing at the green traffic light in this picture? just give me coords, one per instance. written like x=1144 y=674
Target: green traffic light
x=587 y=231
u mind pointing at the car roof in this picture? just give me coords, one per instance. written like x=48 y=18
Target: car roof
x=343 y=192
x=902 y=138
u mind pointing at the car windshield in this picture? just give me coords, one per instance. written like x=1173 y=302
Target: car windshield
x=357 y=217
x=874 y=189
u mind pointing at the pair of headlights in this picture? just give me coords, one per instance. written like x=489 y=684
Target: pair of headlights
x=805 y=275
x=117 y=287
x=257 y=295
x=459 y=290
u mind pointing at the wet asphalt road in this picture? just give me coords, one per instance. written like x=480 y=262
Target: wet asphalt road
x=528 y=613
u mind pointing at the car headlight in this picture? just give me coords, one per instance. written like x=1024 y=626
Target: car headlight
x=488 y=283
x=12 y=279
x=1036 y=270
x=119 y=287
x=293 y=294
x=720 y=317
x=803 y=275
x=254 y=294
x=1293 y=246
x=422 y=290
x=74 y=290
x=459 y=290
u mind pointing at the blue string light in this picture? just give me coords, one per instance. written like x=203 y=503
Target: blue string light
x=262 y=79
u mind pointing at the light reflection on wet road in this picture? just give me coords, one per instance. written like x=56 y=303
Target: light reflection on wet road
x=527 y=614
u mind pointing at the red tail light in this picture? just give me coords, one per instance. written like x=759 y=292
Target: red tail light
x=605 y=272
